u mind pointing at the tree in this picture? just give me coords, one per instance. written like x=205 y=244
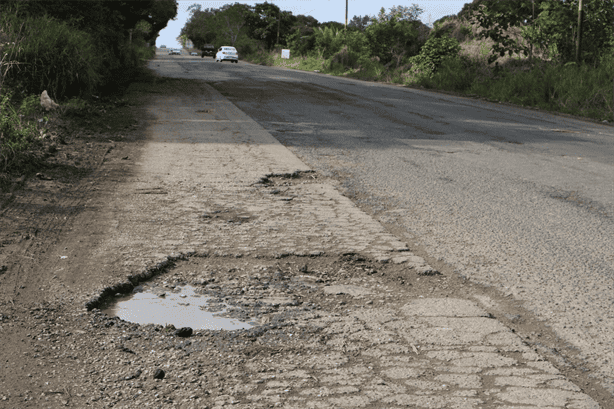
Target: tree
x=393 y=38
x=553 y=28
x=360 y=22
x=269 y=24
x=333 y=25
x=182 y=39
x=401 y=13
x=200 y=27
x=222 y=26
x=231 y=20
x=306 y=24
x=108 y=21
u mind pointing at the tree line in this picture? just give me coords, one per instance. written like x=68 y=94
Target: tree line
x=545 y=24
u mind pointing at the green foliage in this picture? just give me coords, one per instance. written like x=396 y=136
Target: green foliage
x=246 y=45
x=454 y=74
x=267 y=20
x=547 y=24
x=441 y=29
x=17 y=134
x=359 y=22
x=201 y=27
x=56 y=57
x=226 y=25
x=329 y=40
x=334 y=25
x=299 y=43
x=392 y=40
x=435 y=51
x=402 y=13
x=230 y=23
x=102 y=27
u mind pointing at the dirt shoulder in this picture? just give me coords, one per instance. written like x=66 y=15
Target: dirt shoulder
x=50 y=214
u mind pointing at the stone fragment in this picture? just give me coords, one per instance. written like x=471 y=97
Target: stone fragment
x=427 y=270
x=134 y=375
x=159 y=374
x=183 y=332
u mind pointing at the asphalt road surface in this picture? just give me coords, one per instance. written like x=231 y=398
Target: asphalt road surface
x=513 y=198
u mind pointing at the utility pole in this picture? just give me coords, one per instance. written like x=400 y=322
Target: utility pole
x=346 y=14
x=278 y=20
x=579 y=39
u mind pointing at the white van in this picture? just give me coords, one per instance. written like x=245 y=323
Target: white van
x=227 y=53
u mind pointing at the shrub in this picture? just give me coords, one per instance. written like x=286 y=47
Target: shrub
x=435 y=51
x=392 y=40
x=347 y=58
x=17 y=134
x=454 y=74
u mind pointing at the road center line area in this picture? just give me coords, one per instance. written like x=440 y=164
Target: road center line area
x=339 y=311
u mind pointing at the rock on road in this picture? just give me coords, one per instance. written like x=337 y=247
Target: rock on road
x=513 y=198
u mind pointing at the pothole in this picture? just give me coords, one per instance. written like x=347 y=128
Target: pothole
x=254 y=295
x=180 y=306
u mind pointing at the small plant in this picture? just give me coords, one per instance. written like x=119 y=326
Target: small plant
x=17 y=134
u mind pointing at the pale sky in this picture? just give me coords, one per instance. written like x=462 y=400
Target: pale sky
x=322 y=10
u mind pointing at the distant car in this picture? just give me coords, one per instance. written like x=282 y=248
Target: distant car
x=208 y=50
x=174 y=51
x=226 y=53
x=193 y=53
x=162 y=46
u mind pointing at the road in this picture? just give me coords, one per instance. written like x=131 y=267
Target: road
x=516 y=199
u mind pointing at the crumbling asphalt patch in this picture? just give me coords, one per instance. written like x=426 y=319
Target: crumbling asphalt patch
x=341 y=331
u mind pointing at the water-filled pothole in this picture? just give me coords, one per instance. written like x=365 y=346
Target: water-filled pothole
x=180 y=306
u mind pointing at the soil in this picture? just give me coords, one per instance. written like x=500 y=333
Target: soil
x=39 y=203
x=56 y=351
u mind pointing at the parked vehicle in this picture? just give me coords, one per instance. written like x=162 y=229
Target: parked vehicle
x=174 y=51
x=208 y=50
x=193 y=53
x=227 y=53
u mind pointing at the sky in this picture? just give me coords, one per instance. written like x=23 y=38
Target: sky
x=322 y=10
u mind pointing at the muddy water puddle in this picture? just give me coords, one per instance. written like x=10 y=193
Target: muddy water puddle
x=180 y=306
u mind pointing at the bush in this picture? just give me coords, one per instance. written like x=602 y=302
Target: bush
x=17 y=132
x=329 y=41
x=392 y=40
x=347 y=58
x=301 y=46
x=435 y=51
x=454 y=74
x=53 y=56
x=246 y=46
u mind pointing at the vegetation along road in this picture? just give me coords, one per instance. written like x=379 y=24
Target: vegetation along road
x=512 y=198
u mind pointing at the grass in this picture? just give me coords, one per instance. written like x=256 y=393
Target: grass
x=40 y=53
x=584 y=90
